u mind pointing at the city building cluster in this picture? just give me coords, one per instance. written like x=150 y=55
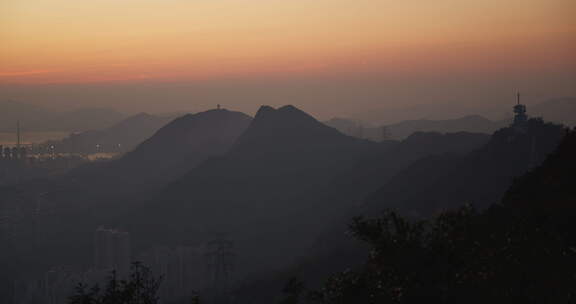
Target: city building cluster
x=13 y=153
x=112 y=251
x=184 y=271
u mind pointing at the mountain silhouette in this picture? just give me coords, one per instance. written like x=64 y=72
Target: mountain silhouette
x=436 y=182
x=372 y=172
x=480 y=178
x=38 y=118
x=186 y=142
x=105 y=192
x=528 y=235
x=285 y=166
x=441 y=181
x=559 y=110
x=548 y=192
x=275 y=172
x=549 y=188
x=290 y=128
x=121 y=137
x=173 y=150
x=352 y=186
x=403 y=129
x=470 y=123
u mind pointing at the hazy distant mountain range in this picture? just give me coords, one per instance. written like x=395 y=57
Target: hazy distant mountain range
x=479 y=178
x=559 y=110
x=121 y=137
x=554 y=109
x=37 y=118
x=422 y=188
x=170 y=152
x=285 y=166
x=471 y=123
x=277 y=184
x=275 y=172
x=227 y=172
x=104 y=192
x=184 y=143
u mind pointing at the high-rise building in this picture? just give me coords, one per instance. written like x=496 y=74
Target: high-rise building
x=53 y=287
x=112 y=250
x=179 y=269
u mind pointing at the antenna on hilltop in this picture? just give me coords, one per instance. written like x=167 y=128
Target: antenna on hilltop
x=18 y=134
x=520 y=116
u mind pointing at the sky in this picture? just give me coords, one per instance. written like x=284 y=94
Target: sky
x=331 y=57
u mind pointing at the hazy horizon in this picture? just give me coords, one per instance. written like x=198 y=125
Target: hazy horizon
x=317 y=97
x=331 y=58
x=436 y=185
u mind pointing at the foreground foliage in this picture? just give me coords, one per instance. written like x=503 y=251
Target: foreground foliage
x=140 y=288
x=460 y=257
x=520 y=251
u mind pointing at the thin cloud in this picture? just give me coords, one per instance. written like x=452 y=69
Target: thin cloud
x=23 y=73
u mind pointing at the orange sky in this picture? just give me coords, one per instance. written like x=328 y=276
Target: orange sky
x=71 y=41
x=330 y=57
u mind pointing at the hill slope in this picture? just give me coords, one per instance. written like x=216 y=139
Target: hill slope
x=403 y=129
x=173 y=150
x=72 y=206
x=480 y=178
x=286 y=178
x=37 y=118
x=427 y=186
x=121 y=137
x=266 y=187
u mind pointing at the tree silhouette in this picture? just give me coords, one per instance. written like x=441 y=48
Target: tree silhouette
x=520 y=251
x=461 y=256
x=293 y=291
x=140 y=288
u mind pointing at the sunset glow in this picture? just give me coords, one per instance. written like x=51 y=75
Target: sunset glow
x=70 y=41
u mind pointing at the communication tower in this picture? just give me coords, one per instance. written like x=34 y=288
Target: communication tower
x=220 y=267
x=520 y=116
